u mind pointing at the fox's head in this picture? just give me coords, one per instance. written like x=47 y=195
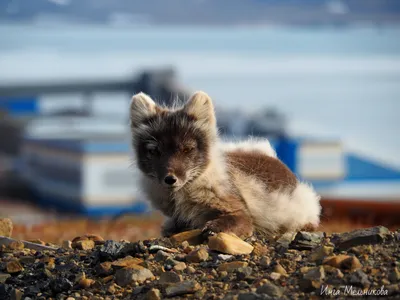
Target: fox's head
x=173 y=146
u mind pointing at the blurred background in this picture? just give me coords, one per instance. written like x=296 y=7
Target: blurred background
x=319 y=78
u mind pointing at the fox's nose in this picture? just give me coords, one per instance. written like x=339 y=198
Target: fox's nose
x=170 y=179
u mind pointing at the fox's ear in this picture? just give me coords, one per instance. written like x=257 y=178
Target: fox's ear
x=142 y=107
x=200 y=106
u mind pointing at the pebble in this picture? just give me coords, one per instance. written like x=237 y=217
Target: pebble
x=182 y=288
x=14 y=267
x=86 y=282
x=319 y=253
x=83 y=245
x=229 y=244
x=197 y=256
x=126 y=276
x=306 y=240
x=162 y=256
x=127 y=261
x=232 y=266
x=153 y=294
x=271 y=290
x=280 y=270
x=16 y=245
x=6 y=227
x=67 y=244
x=345 y=262
x=4 y=277
x=170 y=277
x=180 y=267
x=260 y=250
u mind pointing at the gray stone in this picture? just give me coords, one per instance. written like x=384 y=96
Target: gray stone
x=169 y=277
x=182 y=288
x=126 y=276
x=359 y=278
x=368 y=236
x=306 y=240
x=162 y=256
x=271 y=290
x=317 y=274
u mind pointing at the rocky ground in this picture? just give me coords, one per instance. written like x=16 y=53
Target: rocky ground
x=189 y=266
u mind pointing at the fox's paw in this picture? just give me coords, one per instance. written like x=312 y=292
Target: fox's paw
x=239 y=225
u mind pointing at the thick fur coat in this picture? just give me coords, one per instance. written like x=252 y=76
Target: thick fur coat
x=200 y=182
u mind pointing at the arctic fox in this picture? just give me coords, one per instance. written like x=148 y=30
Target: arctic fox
x=200 y=182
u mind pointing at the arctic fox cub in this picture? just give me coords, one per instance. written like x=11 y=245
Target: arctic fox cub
x=200 y=182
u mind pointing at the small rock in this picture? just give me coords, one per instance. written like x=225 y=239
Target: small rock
x=285 y=239
x=126 y=276
x=104 y=269
x=182 y=288
x=345 y=262
x=4 y=277
x=265 y=261
x=86 y=282
x=197 y=256
x=16 y=294
x=180 y=267
x=193 y=237
x=67 y=244
x=359 y=278
x=232 y=266
x=229 y=244
x=70 y=298
x=317 y=274
x=318 y=254
x=14 y=267
x=306 y=240
x=332 y=271
x=27 y=260
x=225 y=256
x=98 y=240
x=190 y=270
x=171 y=262
x=16 y=245
x=279 y=269
x=394 y=275
x=170 y=277
x=153 y=294
x=83 y=245
x=6 y=227
x=127 y=261
x=271 y=290
x=111 y=250
x=162 y=256
x=275 y=276
x=371 y=236
x=243 y=273
x=260 y=250
x=60 y=284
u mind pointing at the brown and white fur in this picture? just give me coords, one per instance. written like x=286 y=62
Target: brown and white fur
x=199 y=181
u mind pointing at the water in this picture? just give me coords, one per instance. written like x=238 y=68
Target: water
x=331 y=83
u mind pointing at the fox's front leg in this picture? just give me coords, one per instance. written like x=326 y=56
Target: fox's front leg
x=173 y=226
x=237 y=222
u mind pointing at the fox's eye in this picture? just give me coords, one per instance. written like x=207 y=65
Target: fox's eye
x=151 y=149
x=187 y=149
